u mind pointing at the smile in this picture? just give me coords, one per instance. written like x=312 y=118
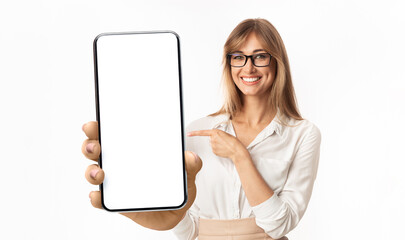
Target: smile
x=251 y=81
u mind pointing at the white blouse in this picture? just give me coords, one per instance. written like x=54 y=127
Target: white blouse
x=286 y=157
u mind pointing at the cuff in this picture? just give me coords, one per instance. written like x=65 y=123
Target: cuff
x=268 y=208
x=184 y=225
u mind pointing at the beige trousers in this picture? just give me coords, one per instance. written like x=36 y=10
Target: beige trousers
x=237 y=229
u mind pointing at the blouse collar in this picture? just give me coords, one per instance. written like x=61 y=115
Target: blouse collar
x=223 y=122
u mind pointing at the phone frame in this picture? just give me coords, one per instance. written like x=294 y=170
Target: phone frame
x=181 y=117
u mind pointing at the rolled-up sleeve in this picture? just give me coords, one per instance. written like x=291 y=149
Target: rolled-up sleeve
x=187 y=228
x=281 y=213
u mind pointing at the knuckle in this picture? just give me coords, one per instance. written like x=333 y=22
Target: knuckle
x=96 y=149
x=99 y=177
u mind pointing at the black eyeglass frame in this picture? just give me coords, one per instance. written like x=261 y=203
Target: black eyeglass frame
x=246 y=58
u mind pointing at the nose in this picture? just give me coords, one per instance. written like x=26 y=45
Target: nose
x=249 y=65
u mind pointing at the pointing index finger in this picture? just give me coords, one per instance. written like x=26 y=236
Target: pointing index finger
x=200 y=133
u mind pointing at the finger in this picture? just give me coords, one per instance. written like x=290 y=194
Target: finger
x=94 y=174
x=200 y=133
x=91 y=130
x=91 y=149
x=193 y=163
x=95 y=199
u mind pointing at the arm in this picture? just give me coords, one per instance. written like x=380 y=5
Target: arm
x=256 y=189
x=280 y=213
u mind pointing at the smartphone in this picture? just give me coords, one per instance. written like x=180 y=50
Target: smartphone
x=140 y=115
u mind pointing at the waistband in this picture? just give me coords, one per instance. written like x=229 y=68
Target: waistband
x=235 y=229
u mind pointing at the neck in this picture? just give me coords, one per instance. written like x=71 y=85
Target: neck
x=255 y=111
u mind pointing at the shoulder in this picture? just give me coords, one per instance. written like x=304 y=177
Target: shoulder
x=304 y=128
x=206 y=122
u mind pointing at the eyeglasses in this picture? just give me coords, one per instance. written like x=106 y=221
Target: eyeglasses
x=258 y=60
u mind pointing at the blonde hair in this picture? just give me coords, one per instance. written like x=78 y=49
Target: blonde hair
x=281 y=94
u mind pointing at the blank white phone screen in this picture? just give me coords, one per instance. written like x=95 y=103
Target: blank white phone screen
x=139 y=108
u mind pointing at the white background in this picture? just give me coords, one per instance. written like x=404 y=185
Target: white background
x=347 y=60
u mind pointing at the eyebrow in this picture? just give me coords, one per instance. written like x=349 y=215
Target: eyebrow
x=257 y=50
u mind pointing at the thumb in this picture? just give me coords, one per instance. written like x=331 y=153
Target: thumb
x=193 y=163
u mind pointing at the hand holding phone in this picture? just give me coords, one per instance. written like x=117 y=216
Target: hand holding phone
x=157 y=220
x=139 y=113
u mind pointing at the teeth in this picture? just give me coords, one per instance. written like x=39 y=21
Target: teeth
x=251 y=79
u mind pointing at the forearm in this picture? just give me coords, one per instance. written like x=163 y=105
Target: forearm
x=256 y=189
x=271 y=214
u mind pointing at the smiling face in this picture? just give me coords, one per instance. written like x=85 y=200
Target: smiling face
x=252 y=80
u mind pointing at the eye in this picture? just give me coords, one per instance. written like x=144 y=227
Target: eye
x=237 y=57
x=261 y=56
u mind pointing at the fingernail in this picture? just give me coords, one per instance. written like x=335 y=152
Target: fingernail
x=83 y=127
x=90 y=195
x=90 y=147
x=188 y=134
x=93 y=173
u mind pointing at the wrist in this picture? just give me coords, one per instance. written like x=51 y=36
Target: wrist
x=241 y=155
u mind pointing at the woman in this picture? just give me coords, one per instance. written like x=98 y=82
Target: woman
x=260 y=157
